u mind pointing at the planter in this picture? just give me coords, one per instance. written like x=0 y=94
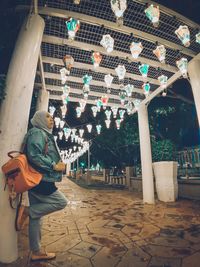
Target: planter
x=166 y=180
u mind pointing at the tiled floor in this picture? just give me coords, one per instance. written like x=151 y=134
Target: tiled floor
x=103 y=228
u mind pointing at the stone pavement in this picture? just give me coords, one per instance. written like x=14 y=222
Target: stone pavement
x=114 y=228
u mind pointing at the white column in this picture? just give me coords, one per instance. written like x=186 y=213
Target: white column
x=193 y=71
x=14 y=116
x=145 y=153
x=42 y=100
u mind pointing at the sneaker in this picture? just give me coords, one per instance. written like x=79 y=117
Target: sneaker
x=21 y=218
x=42 y=256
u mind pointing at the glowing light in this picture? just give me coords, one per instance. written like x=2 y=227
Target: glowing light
x=118 y=7
x=108 y=114
x=107 y=42
x=107 y=122
x=163 y=81
x=118 y=123
x=114 y=111
x=94 y=110
x=78 y=112
x=73 y=26
x=153 y=14
x=98 y=127
x=122 y=96
x=108 y=79
x=146 y=87
x=104 y=100
x=136 y=49
x=68 y=62
x=57 y=121
x=62 y=123
x=121 y=71
x=89 y=128
x=197 y=38
x=121 y=113
x=63 y=73
x=81 y=132
x=129 y=89
x=183 y=34
x=144 y=68
x=96 y=59
x=63 y=110
x=52 y=109
x=160 y=53
x=60 y=135
x=182 y=65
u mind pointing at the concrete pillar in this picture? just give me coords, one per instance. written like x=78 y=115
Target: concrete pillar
x=193 y=71
x=14 y=116
x=146 y=158
x=106 y=175
x=42 y=100
x=129 y=174
x=68 y=169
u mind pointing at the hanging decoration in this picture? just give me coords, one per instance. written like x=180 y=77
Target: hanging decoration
x=104 y=100
x=136 y=49
x=96 y=59
x=197 y=38
x=57 y=121
x=73 y=26
x=63 y=73
x=129 y=107
x=86 y=87
x=114 y=111
x=121 y=71
x=108 y=80
x=52 y=109
x=183 y=34
x=99 y=104
x=121 y=114
x=63 y=110
x=98 y=127
x=107 y=42
x=89 y=128
x=78 y=112
x=62 y=123
x=68 y=61
x=65 y=99
x=163 y=81
x=118 y=123
x=60 y=135
x=94 y=110
x=82 y=104
x=129 y=89
x=136 y=103
x=146 y=87
x=107 y=122
x=122 y=96
x=182 y=65
x=81 y=132
x=143 y=69
x=118 y=7
x=160 y=53
x=153 y=14
x=67 y=132
x=164 y=93
x=108 y=114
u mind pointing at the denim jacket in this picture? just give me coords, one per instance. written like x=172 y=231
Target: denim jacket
x=42 y=153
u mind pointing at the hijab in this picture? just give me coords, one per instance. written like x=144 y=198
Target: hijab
x=39 y=120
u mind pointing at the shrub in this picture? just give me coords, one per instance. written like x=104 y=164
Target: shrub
x=163 y=150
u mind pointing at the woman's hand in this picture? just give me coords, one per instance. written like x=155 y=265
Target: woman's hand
x=60 y=167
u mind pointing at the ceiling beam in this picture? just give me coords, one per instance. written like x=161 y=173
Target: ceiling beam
x=55 y=12
x=57 y=61
x=49 y=75
x=88 y=47
x=79 y=91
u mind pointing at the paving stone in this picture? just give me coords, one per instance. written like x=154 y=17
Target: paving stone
x=192 y=261
x=114 y=228
x=165 y=262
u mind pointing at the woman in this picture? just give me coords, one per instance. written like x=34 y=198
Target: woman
x=43 y=154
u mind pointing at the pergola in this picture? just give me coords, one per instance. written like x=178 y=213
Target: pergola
x=96 y=19
x=44 y=36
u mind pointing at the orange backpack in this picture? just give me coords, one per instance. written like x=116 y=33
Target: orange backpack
x=20 y=176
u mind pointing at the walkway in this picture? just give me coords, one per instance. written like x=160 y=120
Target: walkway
x=114 y=228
